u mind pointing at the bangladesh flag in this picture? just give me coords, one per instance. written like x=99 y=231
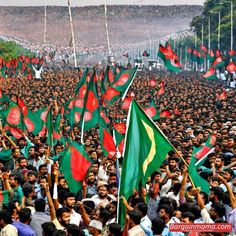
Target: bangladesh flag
x=145 y=150
x=103 y=116
x=5 y=155
x=173 y=65
x=231 y=67
x=57 y=136
x=165 y=54
x=107 y=141
x=195 y=55
x=152 y=83
x=161 y=91
x=91 y=113
x=81 y=82
x=120 y=128
x=210 y=56
x=201 y=153
x=165 y=114
x=75 y=165
x=125 y=105
x=13 y=116
x=210 y=74
x=223 y=96
x=120 y=87
x=152 y=112
x=196 y=178
x=32 y=122
x=218 y=62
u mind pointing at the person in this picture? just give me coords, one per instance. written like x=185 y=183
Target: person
x=23 y=225
x=114 y=229
x=145 y=222
x=39 y=217
x=95 y=228
x=102 y=198
x=62 y=218
x=7 y=229
x=132 y=224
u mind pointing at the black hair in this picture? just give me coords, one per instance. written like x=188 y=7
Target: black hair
x=59 y=233
x=195 y=210
x=61 y=210
x=24 y=215
x=39 y=205
x=217 y=192
x=48 y=228
x=188 y=215
x=158 y=225
x=74 y=230
x=115 y=229
x=219 y=209
x=168 y=209
x=135 y=216
x=6 y=217
x=142 y=207
x=67 y=195
x=27 y=190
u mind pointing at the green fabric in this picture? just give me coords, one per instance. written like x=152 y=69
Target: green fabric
x=196 y=178
x=145 y=149
x=49 y=126
x=5 y=155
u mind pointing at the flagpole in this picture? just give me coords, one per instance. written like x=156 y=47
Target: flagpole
x=72 y=34
x=107 y=32
x=45 y=23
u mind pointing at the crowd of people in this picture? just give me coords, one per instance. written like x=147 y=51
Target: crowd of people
x=36 y=200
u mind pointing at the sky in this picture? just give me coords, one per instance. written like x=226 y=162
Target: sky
x=97 y=2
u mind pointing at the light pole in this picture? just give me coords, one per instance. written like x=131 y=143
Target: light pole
x=219 y=25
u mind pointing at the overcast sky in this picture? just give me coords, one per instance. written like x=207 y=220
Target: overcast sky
x=96 y=2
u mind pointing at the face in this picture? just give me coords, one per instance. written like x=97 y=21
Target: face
x=70 y=202
x=41 y=150
x=218 y=163
x=12 y=182
x=102 y=191
x=43 y=171
x=31 y=151
x=23 y=163
x=64 y=219
x=95 y=168
x=162 y=214
x=32 y=178
x=91 y=177
x=172 y=164
x=112 y=209
x=16 y=153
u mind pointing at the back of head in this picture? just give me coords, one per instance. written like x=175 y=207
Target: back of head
x=48 y=228
x=142 y=207
x=158 y=225
x=135 y=216
x=25 y=215
x=73 y=230
x=115 y=229
x=6 y=217
x=39 y=205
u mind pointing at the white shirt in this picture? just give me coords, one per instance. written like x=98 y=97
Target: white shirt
x=103 y=202
x=9 y=230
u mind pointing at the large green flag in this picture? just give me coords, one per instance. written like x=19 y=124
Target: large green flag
x=146 y=148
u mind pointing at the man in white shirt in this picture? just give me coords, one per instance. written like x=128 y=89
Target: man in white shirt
x=102 y=198
x=7 y=229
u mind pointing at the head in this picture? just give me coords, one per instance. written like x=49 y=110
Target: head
x=14 y=181
x=114 y=229
x=219 y=162
x=135 y=218
x=91 y=178
x=23 y=162
x=48 y=228
x=165 y=212
x=142 y=207
x=216 y=194
x=25 y=215
x=158 y=226
x=69 y=200
x=5 y=218
x=95 y=227
x=43 y=169
x=63 y=216
x=39 y=205
x=217 y=210
x=16 y=152
x=32 y=177
x=102 y=190
x=187 y=218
